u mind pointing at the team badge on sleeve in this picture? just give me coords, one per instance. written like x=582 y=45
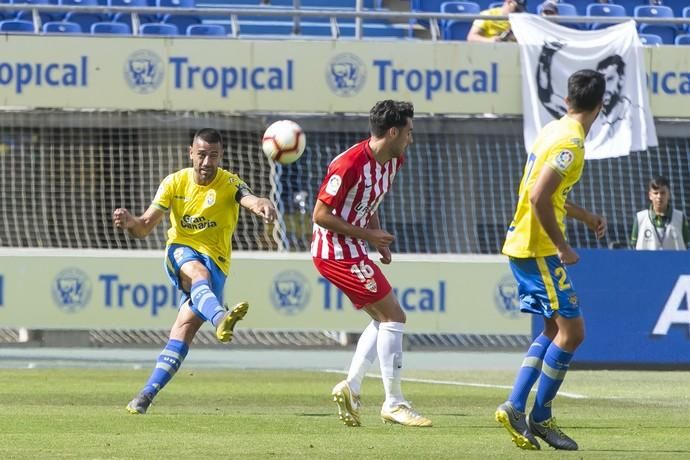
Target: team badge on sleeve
x=333 y=184
x=563 y=160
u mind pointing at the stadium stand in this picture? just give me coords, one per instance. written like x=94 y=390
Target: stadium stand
x=330 y=22
x=630 y=5
x=181 y=22
x=667 y=33
x=176 y=3
x=604 y=9
x=580 y=5
x=683 y=39
x=85 y=20
x=459 y=7
x=651 y=40
x=16 y=26
x=206 y=30
x=62 y=27
x=111 y=28
x=677 y=6
x=26 y=15
x=158 y=28
x=265 y=28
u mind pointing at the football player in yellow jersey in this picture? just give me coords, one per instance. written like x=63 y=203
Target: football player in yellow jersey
x=204 y=203
x=486 y=30
x=539 y=252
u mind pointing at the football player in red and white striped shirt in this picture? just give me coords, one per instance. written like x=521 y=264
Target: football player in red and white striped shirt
x=345 y=220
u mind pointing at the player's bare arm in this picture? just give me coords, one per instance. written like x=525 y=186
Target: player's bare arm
x=476 y=35
x=594 y=222
x=540 y=199
x=262 y=207
x=140 y=226
x=375 y=224
x=324 y=217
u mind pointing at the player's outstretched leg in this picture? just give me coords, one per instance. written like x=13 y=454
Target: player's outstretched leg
x=348 y=404
x=515 y=422
x=550 y=432
x=226 y=326
x=169 y=361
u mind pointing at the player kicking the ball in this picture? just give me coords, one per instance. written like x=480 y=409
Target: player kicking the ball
x=345 y=220
x=204 y=203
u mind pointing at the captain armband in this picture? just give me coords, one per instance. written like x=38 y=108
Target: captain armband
x=242 y=191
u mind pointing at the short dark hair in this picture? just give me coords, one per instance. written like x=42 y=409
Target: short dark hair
x=209 y=135
x=657 y=182
x=614 y=59
x=586 y=90
x=389 y=114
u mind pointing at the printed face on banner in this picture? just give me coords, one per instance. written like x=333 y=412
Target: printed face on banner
x=553 y=85
x=612 y=129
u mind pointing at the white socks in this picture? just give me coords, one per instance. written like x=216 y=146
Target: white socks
x=389 y=348
x=364 y=357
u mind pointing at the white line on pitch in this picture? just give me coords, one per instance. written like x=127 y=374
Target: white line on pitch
x=456 y=383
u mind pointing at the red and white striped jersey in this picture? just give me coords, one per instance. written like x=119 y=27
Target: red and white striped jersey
x=354 y=186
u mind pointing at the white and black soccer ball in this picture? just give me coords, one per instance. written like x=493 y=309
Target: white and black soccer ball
x=284 y=141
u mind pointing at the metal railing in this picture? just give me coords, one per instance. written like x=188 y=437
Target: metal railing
x=296 y=14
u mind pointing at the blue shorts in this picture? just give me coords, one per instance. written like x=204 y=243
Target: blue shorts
x=176 y=255
x=544 y=287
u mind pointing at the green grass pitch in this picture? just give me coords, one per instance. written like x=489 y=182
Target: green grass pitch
x=262 y=414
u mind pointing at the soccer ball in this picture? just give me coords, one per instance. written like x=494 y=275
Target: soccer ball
x=284 y=141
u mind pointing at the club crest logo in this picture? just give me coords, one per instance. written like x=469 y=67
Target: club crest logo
x=346 y=74
x=210 y=198
x=506 y=297
x=71 y=290
x=143 y=71
x=290 y=292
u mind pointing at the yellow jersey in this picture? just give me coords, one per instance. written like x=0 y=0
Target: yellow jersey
x=560 y=146
x=491 y=28
x=202 y=217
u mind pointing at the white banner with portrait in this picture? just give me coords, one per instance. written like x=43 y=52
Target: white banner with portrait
x=550 y=53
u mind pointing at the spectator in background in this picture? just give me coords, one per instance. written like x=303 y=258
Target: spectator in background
x=486 y=30
x=660 y=226
x=549 y=8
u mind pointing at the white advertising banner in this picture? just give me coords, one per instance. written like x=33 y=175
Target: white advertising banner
x=131 y=73
x=102 y=289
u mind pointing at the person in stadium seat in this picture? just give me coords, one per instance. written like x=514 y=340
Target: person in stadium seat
x=549 y=8
x=484 y=30
x=538 y=254
x=660 y=226
x=345 y=220
x=204 y=203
